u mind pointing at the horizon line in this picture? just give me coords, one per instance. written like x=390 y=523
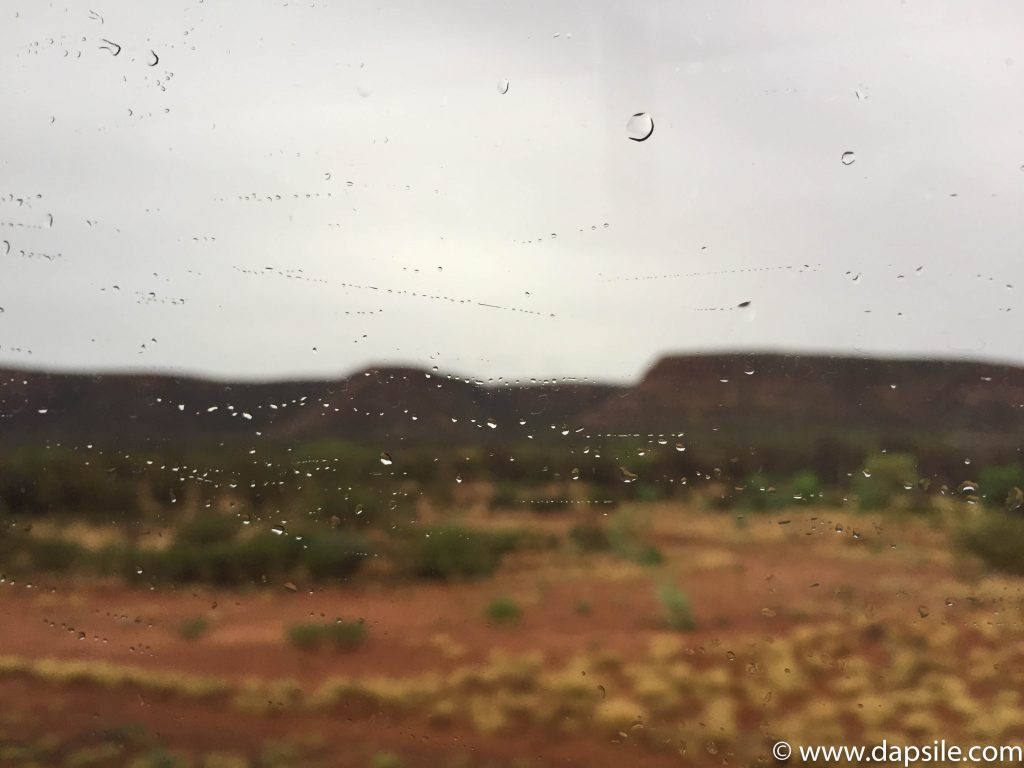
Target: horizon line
x=191 y=374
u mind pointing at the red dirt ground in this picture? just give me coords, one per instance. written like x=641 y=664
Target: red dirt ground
x=767 y=581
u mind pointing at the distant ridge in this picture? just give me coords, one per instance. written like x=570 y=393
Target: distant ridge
x=731 y=394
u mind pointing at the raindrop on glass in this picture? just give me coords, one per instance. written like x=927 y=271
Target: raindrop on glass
x=1014 y=499
x=848 y=158
x=503 y=86
x=640 y=127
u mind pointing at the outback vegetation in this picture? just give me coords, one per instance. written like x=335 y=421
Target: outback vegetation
x=640 y=547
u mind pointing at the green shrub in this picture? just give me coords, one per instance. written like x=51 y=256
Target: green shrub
x=647 y=554
x=505 y=495
x=207 y=528
x=240 y=561
x=675 y=607
x=886 y=477
x=305 y=636
x=590 y=537
x=997 y=484
x=53 y=553
x=759 y=494
x=647 y=492
x=503 y=610
x=193 y=628
x=93 y=756
x=343 y=635
x=224 y=760
x=386 y=760
x=334 y=554
x=625 y=535
x=450 y=551
x=805 y=485
x=998 y=539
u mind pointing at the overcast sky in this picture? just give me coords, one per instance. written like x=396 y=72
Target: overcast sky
x=439 y=221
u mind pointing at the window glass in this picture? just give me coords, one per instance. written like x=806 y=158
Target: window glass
x=502 y=384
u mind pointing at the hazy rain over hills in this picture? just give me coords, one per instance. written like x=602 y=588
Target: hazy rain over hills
x=304 y=190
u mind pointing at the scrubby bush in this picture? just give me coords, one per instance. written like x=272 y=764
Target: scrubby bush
x=504 y=496
x=241 y=561
x=758 y=494
x=503 y=610
x=590 y=536
x=998 y=539
x=886 y=477
x=22 y=552
x=648 y=491
x=626 y=534
x=386 y=760
x=997 y=484
x=206 y=529
x=804 y=486
x=193 y=628
x=343 y=635
x=675 y=607
x=334 y=554
x=53 y=553
x=453 y=551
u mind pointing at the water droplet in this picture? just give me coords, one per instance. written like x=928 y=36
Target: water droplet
x=848 y=158
x=575 y=474
x=627 y=476
x=680 y=447
x=458 y=479
x=922 y=611
x=492 y=424
x=1014 y=499
x=968 y=487
x=640 y=127
x=385 y=459
x=503 y=86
